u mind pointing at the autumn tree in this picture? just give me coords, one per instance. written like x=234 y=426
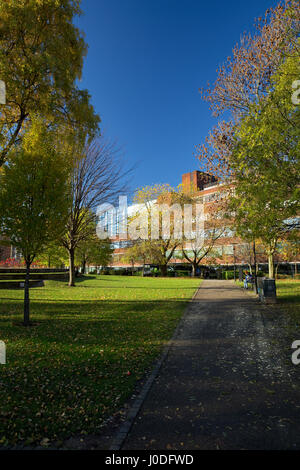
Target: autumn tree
x=93 y=251
x=41 y=59
x=54 y=255
x=97 y=178
x=266 y=164
x=246 y=75
x=195 y=251
x=244 y=254
x=244 y=79
x=206 y=233
x=138 y=253
x=160 y=206
x=34 y=199
x=257 y=150
x=133 y=254
x=289 y=251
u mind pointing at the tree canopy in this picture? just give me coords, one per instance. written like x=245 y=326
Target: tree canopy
x=41 y=59
x=34 y=199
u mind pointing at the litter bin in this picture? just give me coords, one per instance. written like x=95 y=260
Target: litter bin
x=266 y=290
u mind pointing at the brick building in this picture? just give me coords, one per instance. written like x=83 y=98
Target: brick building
x=6 y=251
x=229 y=250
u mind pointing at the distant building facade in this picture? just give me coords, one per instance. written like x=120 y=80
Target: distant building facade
x=229 y=250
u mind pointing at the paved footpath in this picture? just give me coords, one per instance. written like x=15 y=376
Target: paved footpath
x=227 y=382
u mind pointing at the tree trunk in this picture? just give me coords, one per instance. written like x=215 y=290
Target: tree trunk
x=26 y=295
x=71 y=267
x=255 y=267
x=83 y=267
x=163 y=270
x=194 y=269
x=271 y=265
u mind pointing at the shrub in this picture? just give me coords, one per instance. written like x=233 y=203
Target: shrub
x=228 y=275
x=261 y=274
x=180 y=273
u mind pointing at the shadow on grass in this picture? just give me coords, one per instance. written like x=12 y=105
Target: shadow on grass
x=93 y=323
x=289 y=299
x=91 y=307
x=78 y=280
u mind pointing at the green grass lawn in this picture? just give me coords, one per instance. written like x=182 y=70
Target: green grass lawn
x=81 y=360
x=288 y=293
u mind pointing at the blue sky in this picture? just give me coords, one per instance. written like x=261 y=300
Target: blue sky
x=146 y=61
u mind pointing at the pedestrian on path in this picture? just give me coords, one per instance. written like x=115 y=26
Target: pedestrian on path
x=247 y=280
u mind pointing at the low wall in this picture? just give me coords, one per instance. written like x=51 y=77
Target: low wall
x=20 y=285
x=34 y=276
x=33 y=270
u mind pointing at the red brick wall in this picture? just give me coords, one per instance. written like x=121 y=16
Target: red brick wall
x=195 y=180
x=4 y=252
